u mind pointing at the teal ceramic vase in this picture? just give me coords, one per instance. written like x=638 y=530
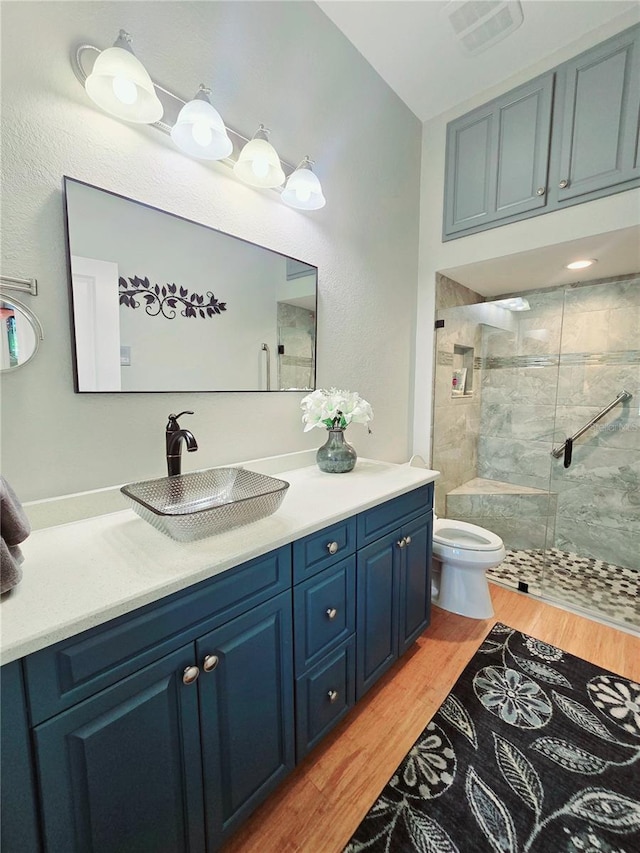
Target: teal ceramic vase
x=336 y=456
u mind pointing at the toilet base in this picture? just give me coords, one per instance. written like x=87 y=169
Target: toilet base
x=462 y=589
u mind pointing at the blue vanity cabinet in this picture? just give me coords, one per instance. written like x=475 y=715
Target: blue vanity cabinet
x=324 y=607
x=160 y=731
x=19 y=830
x=246 y=713
x=121 y=771
x=393 y=582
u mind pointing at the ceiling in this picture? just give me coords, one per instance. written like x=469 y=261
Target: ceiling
x=413 y=47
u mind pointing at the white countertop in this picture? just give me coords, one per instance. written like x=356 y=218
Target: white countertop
x=83 y=573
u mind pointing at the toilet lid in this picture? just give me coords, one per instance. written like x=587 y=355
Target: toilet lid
x=461 y=534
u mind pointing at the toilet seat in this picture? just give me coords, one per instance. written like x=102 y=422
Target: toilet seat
x=460 y=534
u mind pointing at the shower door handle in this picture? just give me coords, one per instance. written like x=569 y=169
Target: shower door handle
x=568 y=450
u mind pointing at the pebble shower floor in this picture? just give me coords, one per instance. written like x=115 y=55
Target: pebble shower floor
x=609 y=590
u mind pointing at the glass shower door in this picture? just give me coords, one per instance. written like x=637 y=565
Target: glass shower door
x=592 y=558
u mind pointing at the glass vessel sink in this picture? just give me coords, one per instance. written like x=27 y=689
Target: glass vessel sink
x=192 y=506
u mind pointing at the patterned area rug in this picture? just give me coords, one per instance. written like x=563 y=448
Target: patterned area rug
x=533 y=751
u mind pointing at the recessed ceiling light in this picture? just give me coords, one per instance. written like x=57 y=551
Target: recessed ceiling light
x=581 y=265
x=514 y=303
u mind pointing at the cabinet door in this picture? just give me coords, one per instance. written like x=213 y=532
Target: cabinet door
x=377 y=585
x=121 y=772
x=19 y=824
x=599 y=120
x=246 y=712
x=498 y=158
x=415 y=581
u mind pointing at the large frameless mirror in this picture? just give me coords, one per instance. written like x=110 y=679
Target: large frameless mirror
x=161 y=303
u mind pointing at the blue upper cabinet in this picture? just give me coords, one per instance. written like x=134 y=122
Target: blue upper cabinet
x=566 y=137
x=498 y=158
x=599 y=100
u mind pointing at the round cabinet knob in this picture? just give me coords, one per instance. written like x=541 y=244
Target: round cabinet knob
x=563 y=183
x=332 y=547
x=210 y=663
x=407 y=540
x=401 y=543
x=190 y=675
x=332 y=613
x=541 y=191
x=332 y=695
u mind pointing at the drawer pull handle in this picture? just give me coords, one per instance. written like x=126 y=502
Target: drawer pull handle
x=210 y=663
x=563 y=183
x=332 y=547
x=540 y=191
x=407 y=540
x=190 y=675
x=401 y=542
x=332 y=695
x=332 y=613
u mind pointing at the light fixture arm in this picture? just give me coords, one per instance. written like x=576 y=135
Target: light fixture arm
x=124 y=41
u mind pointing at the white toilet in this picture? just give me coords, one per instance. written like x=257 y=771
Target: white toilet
x=462 y=553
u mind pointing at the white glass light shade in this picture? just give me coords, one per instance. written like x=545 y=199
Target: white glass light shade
x=120 y=85
x=200 y=131
x=258 y=164
x=303 y=189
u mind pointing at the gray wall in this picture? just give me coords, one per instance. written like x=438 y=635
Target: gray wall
x=285 y=65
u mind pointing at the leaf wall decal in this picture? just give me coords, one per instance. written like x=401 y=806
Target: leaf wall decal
x=519 y=773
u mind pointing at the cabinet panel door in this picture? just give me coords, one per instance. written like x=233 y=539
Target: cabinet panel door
x=246 y=713
x=600 y=117
x=524 y=132
x=377 y=610
x=469 y=174
x=121 y=772
x=415 y=581
x=325 y=613
x=19 y=823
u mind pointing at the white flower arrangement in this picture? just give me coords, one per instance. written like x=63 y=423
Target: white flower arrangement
x=334 y=409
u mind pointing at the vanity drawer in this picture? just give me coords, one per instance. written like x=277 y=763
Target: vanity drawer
x=382 y=519
x=319 y=550
x=324 y=612
x=62 y=675
x=324 y=696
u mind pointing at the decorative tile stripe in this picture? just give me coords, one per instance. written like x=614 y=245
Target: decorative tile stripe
x=566 y=359
x=445 y=358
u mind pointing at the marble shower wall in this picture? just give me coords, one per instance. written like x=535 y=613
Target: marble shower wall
x=456 y=420
x=563 y=361
x=296 y=333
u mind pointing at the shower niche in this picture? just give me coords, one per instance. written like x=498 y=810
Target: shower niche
x=462 y=371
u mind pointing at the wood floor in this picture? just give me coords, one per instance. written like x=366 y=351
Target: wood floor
x=317 y=809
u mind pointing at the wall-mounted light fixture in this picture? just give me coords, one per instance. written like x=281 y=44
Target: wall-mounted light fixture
x=303 y=190
x=258 y=164
x=119 y=84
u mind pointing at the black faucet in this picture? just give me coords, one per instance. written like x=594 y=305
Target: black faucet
x=174 y=438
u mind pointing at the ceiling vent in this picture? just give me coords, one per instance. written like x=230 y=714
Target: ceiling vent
x=479 y=24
